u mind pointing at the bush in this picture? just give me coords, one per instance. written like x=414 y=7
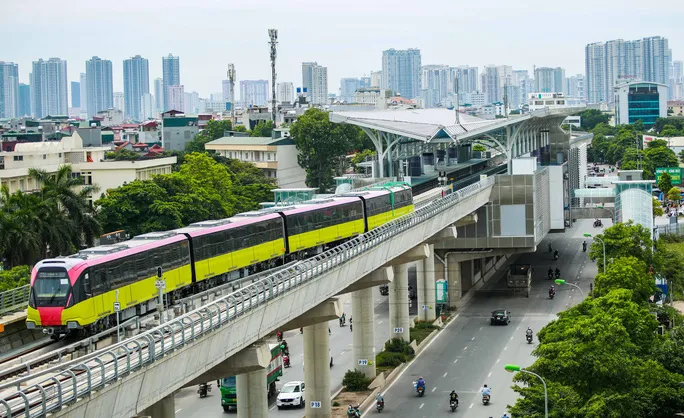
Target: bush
x=355 y=381
x=335 y=403
x=671 y=238
x=398 y=345
x=388 y=359
x=421 y=331
x=18 y=276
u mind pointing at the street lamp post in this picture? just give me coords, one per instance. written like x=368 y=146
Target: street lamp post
x=515 y=368
x=604 y=250
x=561 y=282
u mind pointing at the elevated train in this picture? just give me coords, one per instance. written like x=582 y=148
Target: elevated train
x=77 y=293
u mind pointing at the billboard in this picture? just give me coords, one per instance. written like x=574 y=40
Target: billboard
x=674 y=172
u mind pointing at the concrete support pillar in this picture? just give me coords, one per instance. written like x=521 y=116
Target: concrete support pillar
x=252 y=395
x=420 y=289
x=164 y=408
x=430 y=291
x=399 y=304
x=363 y=333
x=454 y=286
x=317 y=370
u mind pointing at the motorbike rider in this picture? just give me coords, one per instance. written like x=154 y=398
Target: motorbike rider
x=528 y=332
x=420 y=383
x=550 y=271
x=486 y=391
x=550 y=249
x=353 y=411
x=557 y=272
x=453 y=397
x=552 y=290
x=584 y=246
x=379 y=398
x=555 y=254
x=285 y=348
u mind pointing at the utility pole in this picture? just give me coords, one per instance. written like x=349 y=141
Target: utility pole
x=273 y=35
x=231 y=78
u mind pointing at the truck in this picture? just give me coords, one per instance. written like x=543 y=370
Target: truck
x=519 y=279
x=273 y=372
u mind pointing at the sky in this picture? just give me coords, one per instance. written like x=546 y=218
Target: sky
x=347 y=36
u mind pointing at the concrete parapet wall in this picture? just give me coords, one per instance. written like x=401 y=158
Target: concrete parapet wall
x=16 y=335
x=137 y=391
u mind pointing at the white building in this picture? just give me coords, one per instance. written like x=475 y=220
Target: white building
x=86 y=162
x=176 y=98
x=552 y=100
x=285 y=92
x=640 y=100
x=475 y=99
x=277 y=158
x=119 y=101
x=147 y=107
x=110 y=117
x=254 y=92
x=225 y=88
x=373 y=96
x=191 y=102
x=376 y=78
x=212 y=106
x=9 y=89
x=435 y=84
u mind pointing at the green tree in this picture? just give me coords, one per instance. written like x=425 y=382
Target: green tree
x=677 y=123
x=215 y=129
x=665 y=182
x=321 y=145
x=657 y=208
x=592 y=117
x=658 y=155
x=262 y=129
x=479 y=148
x=16 y=277
x=681 y=156
x=626 y=273
x=669 y=131
x=622 y=240
x=250 y=185
x=674 y=194
x=123 y=155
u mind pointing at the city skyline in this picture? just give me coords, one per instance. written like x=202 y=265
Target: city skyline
x=356 y=54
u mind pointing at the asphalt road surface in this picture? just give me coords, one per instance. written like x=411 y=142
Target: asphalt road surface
x=470 y=352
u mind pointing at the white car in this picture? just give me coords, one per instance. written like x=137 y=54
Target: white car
x=291 y=394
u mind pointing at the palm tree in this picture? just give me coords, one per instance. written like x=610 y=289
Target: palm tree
x=60 y=189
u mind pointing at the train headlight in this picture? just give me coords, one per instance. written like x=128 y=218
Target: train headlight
x=30 y=325
x=72 y=324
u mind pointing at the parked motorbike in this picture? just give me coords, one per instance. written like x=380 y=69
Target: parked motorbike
x=353 y=412
x=203 y=390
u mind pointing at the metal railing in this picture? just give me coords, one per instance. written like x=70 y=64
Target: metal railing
x=54 y=388
x=14 y=300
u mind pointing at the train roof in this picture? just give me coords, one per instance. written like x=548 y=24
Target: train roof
x=315 y=204
x=209 y=227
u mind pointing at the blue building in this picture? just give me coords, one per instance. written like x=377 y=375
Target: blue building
x=640 y=100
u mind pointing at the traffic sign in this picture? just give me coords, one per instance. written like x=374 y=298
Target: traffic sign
x=425 y=307
x=363 y=362
x=117 y=306
x=160 y=284
x=315 y=404
x=398 y=330
x=159 y=272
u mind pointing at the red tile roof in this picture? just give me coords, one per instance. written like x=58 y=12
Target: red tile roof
x=140 y=145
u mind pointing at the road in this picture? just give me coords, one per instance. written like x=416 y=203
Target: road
x=470 y=352
x=188 y=404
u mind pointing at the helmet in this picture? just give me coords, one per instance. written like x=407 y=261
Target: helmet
x=485 y=385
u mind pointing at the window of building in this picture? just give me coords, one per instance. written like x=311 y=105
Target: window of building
x=45 y=156
x=18 y=158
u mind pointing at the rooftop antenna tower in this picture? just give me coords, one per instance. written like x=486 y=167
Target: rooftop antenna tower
x=273 y=35
x=231 y=78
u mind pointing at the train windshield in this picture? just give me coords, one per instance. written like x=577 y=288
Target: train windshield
x=51 y=287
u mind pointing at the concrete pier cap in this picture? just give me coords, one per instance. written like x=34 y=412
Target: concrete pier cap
x=381 y=276
x=419 y=252
x=467 y=220
x=449 y=232
x=326 y=311
x=253 y=358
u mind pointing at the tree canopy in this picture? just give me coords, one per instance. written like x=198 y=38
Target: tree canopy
x=622 y=240
x=205 y=187
x=665 y=182
x=262 y=129
x=214 y=130
x=592 y=117
x=322 y=146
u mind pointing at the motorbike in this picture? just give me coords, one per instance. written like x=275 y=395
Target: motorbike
x=550 y=249
x=555 y=256
x=286 y=361
x=529 y=339
x=485 y=399
x=552 y=293
x=379 y=405
x=598 y=223
x=279 y=336
x=453 y=405
x=558 y=275
x=420 y=390
x=550 y=275
x=342 y=321
x=353 y=412
x=384 y=290
x=584 y=247
x=203 y=390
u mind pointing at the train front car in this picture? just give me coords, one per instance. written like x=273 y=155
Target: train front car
x=54 y=290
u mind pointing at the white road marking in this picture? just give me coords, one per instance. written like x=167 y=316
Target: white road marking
x=490 y=374
x=445 y=374
x=471 y=405
x=465 y=348
x=511 y=338
x=472 y=339
x=498 y=360
x=421 y=406
x=272 y=408
x=178 y=410
x=455 y=361
x=379 y=322
x=434 y=389
x=505 y=348
x=481 y=328
x=518 y=328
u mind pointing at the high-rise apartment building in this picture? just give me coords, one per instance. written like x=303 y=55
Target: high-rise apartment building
x=348 y=87
x=521 y=79
x=376 y=79
x=467 y=79
x=119 y=101
x=225 y=84
x=364 y=82
x=401 y=72
x=100 y=88
x=84 y=92
x=75 y=94
x=147 y=110
x=254 y=92
x=575 y=86
x=158 y=95
x=136 y=83
x=618 y=61
x=49 y=88
x=435 y=84
x=494 y=79
x=9 y=89
x=176 y=98
x=676 y=84
x=315 y=82
x=549 y=80
x=24 y=100
x=191 y=103
x=307 y=78
x=170 y=77
x=285 y=92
